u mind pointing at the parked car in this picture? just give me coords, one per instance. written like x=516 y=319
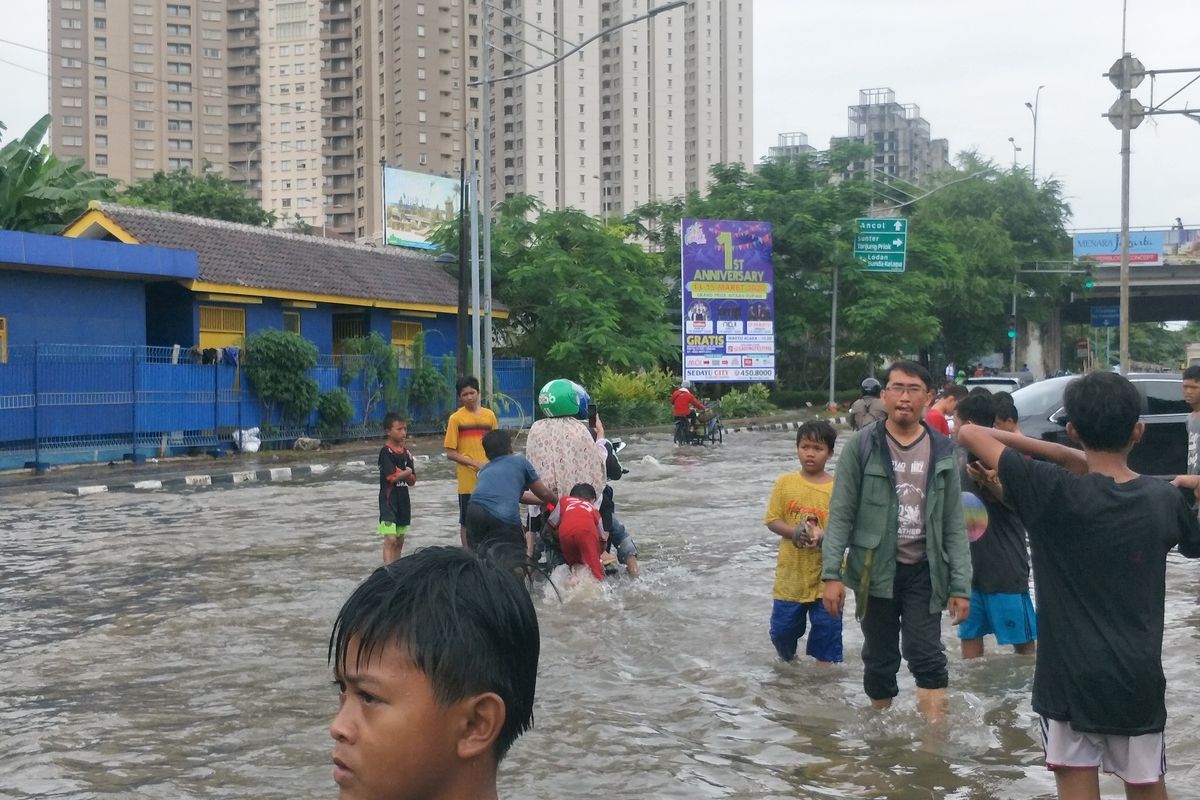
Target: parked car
x=1000 y=383
x=1163 y=448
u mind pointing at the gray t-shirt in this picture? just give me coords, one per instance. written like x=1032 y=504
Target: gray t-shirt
x=910 y=466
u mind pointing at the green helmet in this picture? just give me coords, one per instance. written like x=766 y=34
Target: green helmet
x=563 y=398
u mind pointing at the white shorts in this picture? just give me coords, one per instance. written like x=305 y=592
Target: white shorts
x=1133 y=759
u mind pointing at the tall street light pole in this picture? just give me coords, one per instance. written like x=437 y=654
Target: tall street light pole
x=485 y=83
x=1033 y=109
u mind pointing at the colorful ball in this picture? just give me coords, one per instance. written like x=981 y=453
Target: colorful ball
x=974 y=515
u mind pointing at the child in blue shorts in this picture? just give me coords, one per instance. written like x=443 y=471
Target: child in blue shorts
x=796 y=513
x=1000 y=602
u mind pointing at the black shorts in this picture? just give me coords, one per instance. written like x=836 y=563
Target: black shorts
x=463 y=499
x=485 y=530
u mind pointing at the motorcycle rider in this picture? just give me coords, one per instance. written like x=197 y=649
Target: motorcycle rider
x=868 y=408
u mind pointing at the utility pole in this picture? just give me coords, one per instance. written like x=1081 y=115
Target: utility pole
x=1127 y=73
x=473 y=206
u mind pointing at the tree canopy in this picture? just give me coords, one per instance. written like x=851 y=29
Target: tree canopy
x=40 y=192
x=208 y=194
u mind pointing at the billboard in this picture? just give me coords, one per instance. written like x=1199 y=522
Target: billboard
x=1145 y=247
x=413 y=203
x=728 y=301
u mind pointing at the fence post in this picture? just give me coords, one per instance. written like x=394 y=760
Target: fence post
x=133 y=353
x=216 y=404
x=38 y=468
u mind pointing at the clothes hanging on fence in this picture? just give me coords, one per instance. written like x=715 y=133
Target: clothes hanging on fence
x=230 y=356
x=210 y=355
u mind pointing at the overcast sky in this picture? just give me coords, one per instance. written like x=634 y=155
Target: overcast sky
x=970 y=65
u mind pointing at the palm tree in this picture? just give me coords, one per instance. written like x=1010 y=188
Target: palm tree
x=40 y=192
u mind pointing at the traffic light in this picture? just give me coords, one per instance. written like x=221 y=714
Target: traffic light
x=1089 y=280
x=1012 y=326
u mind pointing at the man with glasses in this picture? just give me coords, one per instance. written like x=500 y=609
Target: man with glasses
x=897 y=507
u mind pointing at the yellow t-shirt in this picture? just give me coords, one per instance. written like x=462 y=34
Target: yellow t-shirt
x=464 y=433
x=798 y=570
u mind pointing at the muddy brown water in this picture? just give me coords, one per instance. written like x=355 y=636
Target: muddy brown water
x=172 y=645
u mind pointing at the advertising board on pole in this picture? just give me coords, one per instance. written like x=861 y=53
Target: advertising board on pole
x=414 y=202
x=728 y=301
x=1145 y=247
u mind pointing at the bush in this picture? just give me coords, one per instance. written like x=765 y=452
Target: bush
x=428 y=389
x=372 y=360
x=802 y=398
x=277 y=365
x=752 y=402
x=633 y=399
x=334 y=410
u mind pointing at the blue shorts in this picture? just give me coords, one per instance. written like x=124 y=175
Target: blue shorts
x=1009 y=616
x=788 y=622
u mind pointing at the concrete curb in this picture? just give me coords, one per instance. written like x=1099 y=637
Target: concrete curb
x=778 y=426
x=234 y=477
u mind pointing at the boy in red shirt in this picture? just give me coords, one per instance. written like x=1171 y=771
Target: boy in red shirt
x=580 y=532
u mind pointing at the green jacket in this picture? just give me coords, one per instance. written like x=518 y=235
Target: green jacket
x=863 y=516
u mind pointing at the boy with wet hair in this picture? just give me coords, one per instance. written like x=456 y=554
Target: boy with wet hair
x=1100 y=535
x=1191 y=396
x=397 y=472
x=1007 y=417
x=435 y=659
x=797 y=512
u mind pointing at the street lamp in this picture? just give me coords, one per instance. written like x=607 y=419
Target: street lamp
x=1033 y=109
x=603 y=195
x=1016 y=150
x=485 y=83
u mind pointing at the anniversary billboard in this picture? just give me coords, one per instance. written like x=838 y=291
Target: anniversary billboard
x=728 y=301
x=414 y=203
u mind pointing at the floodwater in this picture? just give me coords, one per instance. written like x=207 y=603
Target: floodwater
x=172 y=645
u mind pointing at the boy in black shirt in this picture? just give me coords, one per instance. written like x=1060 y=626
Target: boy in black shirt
x=397 y=472
x=1100 y=538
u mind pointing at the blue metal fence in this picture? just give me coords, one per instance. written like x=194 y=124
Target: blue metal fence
x=80 y=403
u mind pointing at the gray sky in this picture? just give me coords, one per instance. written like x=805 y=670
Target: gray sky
x=969 y=65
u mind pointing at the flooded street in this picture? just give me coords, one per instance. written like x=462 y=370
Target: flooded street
x=173 y=645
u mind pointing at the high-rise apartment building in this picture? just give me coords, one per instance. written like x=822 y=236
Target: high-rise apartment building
x=642 y=113
x=899 y=135
x=301 y=101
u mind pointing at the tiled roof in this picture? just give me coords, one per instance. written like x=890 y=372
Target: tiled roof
x=263 y=258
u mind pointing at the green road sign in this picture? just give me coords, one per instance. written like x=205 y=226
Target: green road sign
x=881 y=244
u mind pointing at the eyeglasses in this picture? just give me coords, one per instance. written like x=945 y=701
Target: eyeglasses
x=906 y=388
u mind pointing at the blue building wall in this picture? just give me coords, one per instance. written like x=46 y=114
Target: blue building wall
x=57 y=308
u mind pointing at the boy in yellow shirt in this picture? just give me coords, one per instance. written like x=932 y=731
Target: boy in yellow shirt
x=797 y=512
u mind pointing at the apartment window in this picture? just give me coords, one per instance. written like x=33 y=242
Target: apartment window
x=72 y=121
x=214 y=111
x=143 y=30
x=179 y=124
x=143 y=144
x=142 y=11
x=179 y=144
x=70 y=44
x=210 y=16
x=100 y=5
x=99 y=43
x=143 y=48
x=422 y=116
x=71 y=83
x=71 y=5
x=178 y=68
x=420 y=30
x=100 y=101
x=73 y=102
x=101 y=160
x=71 y=141
x=99 y=82
x=420 y=52
x=142 y=105
x=71 y=24
x=421 y=95
x=211 y=52
x=179 y=163
x=177 y=49
x=212 y=72
x=421 y=10
x=143 y=163
x=221 y=327
x=143 y=86
x=291 y=322
x=179 y=30
x=101 y=140
x=178 y=10
x=178 y=87
x=180 y=106
x=422 y=138
x=143 y=124
x=143 y=67
x=71 y=63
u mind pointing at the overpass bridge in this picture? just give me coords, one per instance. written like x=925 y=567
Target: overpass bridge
x=1157 y=293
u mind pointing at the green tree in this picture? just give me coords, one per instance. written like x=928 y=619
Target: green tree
x=277 y=364
x=208 y=194
x=38 y=191
x=371 y=360
x=579 y=295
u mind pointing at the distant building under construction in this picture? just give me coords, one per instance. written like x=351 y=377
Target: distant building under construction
x=898 y=134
